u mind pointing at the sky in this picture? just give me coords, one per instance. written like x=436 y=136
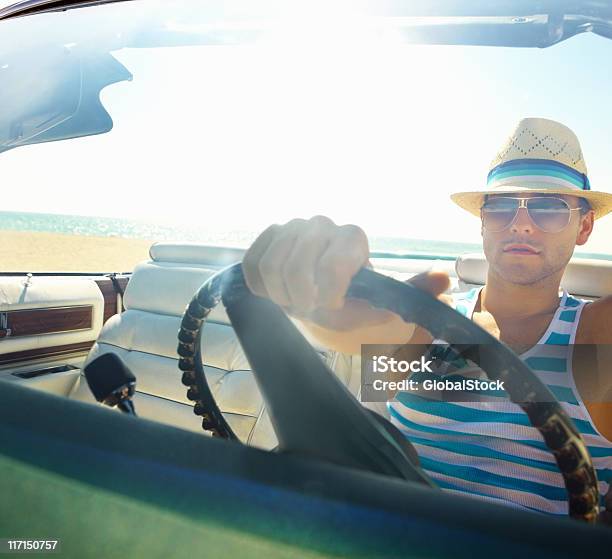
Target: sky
x=364 y=130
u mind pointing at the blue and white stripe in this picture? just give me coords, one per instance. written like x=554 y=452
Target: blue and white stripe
x=540 y=173
x=487 y=447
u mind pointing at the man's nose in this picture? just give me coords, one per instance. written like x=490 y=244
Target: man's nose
x=522 y=222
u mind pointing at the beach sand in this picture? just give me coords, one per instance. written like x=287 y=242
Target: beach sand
x=52 y=252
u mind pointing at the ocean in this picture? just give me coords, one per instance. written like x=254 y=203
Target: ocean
x=137 y=229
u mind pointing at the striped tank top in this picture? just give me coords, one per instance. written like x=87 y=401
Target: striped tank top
x=486 y=447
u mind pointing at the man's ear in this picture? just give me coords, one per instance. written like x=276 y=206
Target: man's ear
x=585 y=228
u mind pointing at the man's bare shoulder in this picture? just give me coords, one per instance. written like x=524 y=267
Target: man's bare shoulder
x=595 y=322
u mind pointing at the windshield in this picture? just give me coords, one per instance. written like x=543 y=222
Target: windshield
x=216 y=132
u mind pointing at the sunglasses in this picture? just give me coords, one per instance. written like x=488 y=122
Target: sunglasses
x=547 y=213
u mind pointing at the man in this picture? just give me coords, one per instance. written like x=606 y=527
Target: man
x=536 y=208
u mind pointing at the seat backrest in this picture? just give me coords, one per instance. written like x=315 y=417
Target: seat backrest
x=144 y=336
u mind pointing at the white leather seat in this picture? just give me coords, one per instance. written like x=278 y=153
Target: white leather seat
x=145 y=337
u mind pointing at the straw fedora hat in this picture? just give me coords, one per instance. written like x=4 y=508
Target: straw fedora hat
x=541 y=156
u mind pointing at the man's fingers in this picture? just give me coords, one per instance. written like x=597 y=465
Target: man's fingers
x=434 y=282
x=345 y=256
x=250 y=262
x=304 y=265
x=271 y=267
x=273 y=259
x=299 y=269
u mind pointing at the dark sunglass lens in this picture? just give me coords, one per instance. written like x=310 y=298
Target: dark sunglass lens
x=498 y=213
x=549 y=214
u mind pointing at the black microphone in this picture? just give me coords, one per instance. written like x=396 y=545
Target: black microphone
x=111 y=382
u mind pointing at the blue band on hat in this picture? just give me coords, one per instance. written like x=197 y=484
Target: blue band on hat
x=557 y=172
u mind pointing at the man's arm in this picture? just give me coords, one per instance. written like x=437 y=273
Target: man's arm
x=596 y=328
x=593 y=362
x=595 y=322
x=379 y=327
x=358 y=323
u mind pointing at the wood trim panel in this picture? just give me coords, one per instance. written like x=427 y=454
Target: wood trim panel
x=110 y=295
x=51 y=320
x=110 y=298
x=56 y=319
x=44 y=352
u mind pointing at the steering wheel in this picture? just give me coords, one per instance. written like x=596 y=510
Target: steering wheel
x=313 y=413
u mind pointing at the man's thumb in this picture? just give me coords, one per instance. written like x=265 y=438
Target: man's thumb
x=434 y=282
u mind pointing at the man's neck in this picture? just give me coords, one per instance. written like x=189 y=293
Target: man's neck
x=505 y=300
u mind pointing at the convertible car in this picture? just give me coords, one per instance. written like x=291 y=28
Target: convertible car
x=296 y=465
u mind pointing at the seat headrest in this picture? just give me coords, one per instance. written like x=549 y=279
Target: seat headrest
x=583 y=276
x=176 y=271
x=194 y=253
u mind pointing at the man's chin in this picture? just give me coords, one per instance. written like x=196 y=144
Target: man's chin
x=523 y=279
x=520 y=273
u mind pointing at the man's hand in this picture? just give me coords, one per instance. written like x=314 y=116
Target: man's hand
x=306 y=267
